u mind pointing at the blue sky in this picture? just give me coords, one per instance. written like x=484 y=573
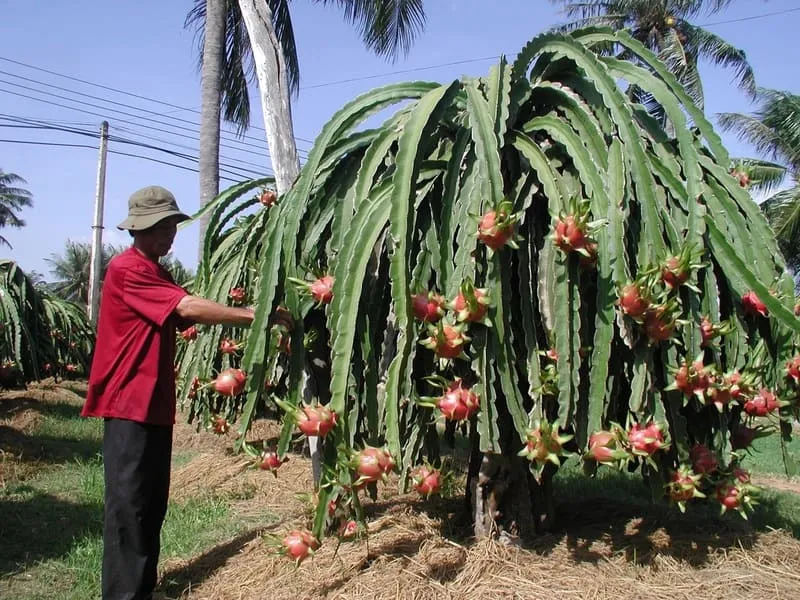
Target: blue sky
x=142 y=48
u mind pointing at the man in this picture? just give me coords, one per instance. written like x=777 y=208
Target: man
x=132 y=387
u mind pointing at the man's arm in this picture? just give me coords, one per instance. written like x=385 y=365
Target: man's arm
x=208 y=312
x=200 y=310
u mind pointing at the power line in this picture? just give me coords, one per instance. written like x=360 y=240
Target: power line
x=122 y=112
x=414 y=70
x=59 y=144
x=119 y=91
x=76 y=93
x=40 y=124
x=752 y=17
x=223 y=167
x=89 y=112
x=150 y=158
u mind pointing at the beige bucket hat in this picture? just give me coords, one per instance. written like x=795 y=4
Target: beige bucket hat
x=148 y=206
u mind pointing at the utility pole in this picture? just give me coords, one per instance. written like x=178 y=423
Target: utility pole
x=97 y=228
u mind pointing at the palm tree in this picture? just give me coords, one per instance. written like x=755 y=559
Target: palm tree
x=211 y=66
x=12 y=200
x=774 y=131
x=71 y=270
x=665 y=27
x=259 y=39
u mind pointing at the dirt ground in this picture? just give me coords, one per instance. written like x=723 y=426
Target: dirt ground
x=421 y=549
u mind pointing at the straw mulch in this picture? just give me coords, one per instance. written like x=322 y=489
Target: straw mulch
x=419 y=550
x=406 y=557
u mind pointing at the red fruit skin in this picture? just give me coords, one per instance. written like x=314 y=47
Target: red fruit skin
x=656 y=328
x=427 y=481
x=237 y=294
x=227 y=346
x=452 y=407
x=602 y=454
x=673 y=274
x=230 y=382
x=220 y=426
x=369 y=468
x=450 y=346
x=493 y=235
x=793 y=369
x=762 y=404
x=348 y=529
x=706 y=331
x=645 y=440
x=632 y=303
x=189 y=334
x=458 y=402
x=683 y=487
x=461 y=306
x=569 y=235
x=602 y=438
x=316 y=420
x=752 y=305
x=270 y=462
x=268 y=198
x=428 y=308
x=373 y=464
x=728 y=496
x=575 y=236
x=299 y=545
x=703 y=460
x=322 y=289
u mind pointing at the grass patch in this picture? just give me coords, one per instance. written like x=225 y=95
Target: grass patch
x=52 y=521
x=775 y=510
x=767 y=457
x=52 y=532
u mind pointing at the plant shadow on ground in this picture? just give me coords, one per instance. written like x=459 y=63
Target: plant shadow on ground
x=613 y=515
x=42 y=526
x=21 y=439
x=175 y=582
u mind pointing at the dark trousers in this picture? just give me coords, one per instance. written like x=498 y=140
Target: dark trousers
x=136 y=459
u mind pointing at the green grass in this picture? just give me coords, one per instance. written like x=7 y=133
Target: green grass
x=766 y=456
x=51 y=523
x=776 y=509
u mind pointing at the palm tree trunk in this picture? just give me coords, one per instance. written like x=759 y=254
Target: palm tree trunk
x=211 y=96
x=274 y=89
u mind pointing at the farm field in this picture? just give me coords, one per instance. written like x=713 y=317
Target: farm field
x=611 y=542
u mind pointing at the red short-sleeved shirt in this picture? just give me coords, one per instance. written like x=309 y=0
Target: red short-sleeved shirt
x=132 y=375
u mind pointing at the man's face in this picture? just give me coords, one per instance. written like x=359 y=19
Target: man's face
x=157 y=240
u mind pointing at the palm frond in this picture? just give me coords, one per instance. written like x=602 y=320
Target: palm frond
x=388 y=28
x=713 y=48
x=282 y=22
x=695 y=8
x=612 y=21
x=783 y=213
x=764 y=176
x=683 y=63
x=12 y=200
x=238 y=69
x=774 y=129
